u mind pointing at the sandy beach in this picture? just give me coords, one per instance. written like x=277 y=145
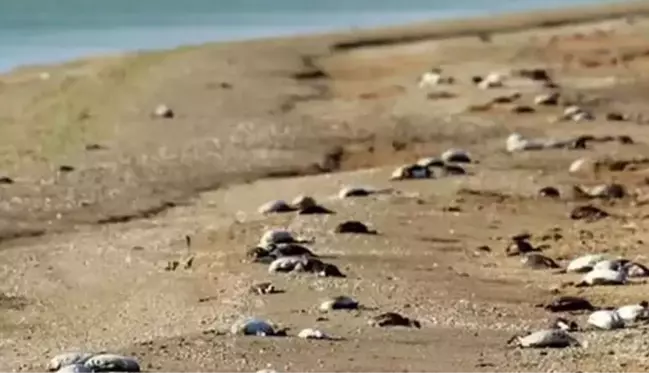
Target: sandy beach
x=97 y=195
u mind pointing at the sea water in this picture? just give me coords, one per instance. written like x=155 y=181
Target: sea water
x=48 y=31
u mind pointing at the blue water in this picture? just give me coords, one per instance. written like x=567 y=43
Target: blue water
x=46 y=31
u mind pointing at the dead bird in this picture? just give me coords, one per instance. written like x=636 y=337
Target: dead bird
x=588 y=213
x=275 y=236
x=315 y=210
x=547 y=99
x=289 y=249
x=304 y=264
x=568 y=303
x=353 y=226
x=259 y=255
x=356 y=191
x=278 y=250
x=411 y=171
x=538 y=261
x=307 y=205
x=564 y=324
x=537 y=74
x=546 y=338
x=257 y=327
x=520 y=245
x=393 y=319
x=549 y=192
x=275 y=207
x=450 y=170
x=340 y=302
x=456 y=156
x=604 y=191
x=263 y=288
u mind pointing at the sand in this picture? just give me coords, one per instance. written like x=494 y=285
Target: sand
x=84 y=252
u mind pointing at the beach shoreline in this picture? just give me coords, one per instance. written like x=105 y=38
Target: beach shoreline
x=87 y=110
x=401 y=32
x=100 y=188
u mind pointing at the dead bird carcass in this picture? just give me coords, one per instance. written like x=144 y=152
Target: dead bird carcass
x=256 y=327
x=304 y=264
x=275 y=251
x=340 y=302
x=538 y=261
x=568 y=304
x=393 y=319
x=546 y=338
x=412 y=171
x=354 y=227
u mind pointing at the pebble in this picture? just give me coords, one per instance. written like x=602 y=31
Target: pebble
x=312 y=334
x=547 y=99
x=583 y=165
x=163 y=111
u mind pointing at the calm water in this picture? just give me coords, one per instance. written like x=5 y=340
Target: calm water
x=44 y=31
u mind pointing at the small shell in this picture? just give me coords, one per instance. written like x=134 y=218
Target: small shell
x=67 y=358
x=163 y=111
x=312 y=334
x=583 y=165
x=428 y=79
x=112 y=363
x=606 y=320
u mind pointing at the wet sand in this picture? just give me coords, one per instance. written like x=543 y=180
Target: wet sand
x=84 y=251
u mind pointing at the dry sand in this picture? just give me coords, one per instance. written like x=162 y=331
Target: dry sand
x=83 y=252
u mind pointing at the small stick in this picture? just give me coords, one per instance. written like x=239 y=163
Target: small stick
x=188 y=242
